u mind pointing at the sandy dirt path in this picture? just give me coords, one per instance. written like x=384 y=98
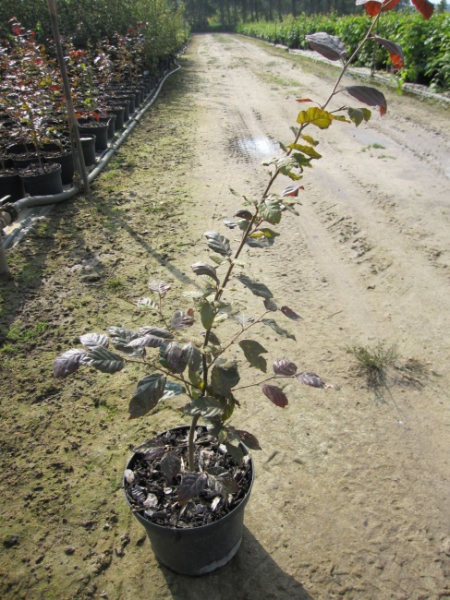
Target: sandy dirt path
x=366 y=262
x=353 y=483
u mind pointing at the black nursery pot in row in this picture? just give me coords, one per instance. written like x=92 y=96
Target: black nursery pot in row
x=98 y=129
x=21 y=172
x=42 y=181
x=11 y=185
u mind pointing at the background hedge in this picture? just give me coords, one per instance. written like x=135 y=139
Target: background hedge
x=425 y=44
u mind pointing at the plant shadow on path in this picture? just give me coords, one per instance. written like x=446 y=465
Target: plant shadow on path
x=251 y=575
x=160 y=258
x=29 y=264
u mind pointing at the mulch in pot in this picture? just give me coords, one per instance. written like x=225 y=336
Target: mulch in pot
x=154 y=494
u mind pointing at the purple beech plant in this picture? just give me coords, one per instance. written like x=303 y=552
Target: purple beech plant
x=200 y=367
x=30 y=89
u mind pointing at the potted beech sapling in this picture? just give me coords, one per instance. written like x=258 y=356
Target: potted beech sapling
x=188 y=486
x=30 y=85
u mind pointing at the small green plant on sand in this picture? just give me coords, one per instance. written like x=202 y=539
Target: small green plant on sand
x=373 y=363
x=192 y=352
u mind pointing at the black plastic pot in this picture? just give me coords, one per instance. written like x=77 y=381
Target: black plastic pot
x=67 y=166
x=122 y=100
x=43 y=184
x=200 y=550
x=19 y=148
x=128 y=92
x=11 y=185
x=110 y=119
x=100 y=130
x=22 y=155
x=88 y=147
x=119 y=112
x=130 y=96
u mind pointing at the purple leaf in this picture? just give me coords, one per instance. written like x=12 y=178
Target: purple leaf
x=218 y=243
x=182 y=319
x=275 y=395
x=290 y=314
x=395 y=52
x=69 y=362
x=201 y=268
x=368 y=95
x=146 y=341
x=311 y=379
x=191 y=485
x=104 y=360
x=156 y=331
x=173 y=357
x=248 y=439
x=327 y=45
x=270 y=305
x=170 y=465
x=90 y=340
x=243 y=214
x=154 y=453
x=147 y=395
x=425 y=7
x=284 y=367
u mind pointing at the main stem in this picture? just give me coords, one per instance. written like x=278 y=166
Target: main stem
x=247 y=232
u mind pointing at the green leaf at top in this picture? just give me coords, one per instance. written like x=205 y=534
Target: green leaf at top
x=235 y=452
x=274 y=325
x=104 y=360
x=270 y=211
x=224 y=377
x=269 y=233
x=206 y=406
x=315 y=116
x=306 y=150
x=147 y=395
x=358 y=115
x=310 y=140
x=253 y=351
x=207 y=314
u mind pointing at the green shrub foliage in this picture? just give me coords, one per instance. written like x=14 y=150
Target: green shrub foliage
x=425 y=44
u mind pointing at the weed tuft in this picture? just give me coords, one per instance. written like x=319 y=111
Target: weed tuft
x=373 y=363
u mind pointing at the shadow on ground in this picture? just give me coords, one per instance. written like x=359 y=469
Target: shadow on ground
x=251 y=575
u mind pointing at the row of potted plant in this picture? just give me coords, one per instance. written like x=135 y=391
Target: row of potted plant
x=107 y=84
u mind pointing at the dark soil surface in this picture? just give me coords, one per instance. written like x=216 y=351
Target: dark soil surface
x=352 y=483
